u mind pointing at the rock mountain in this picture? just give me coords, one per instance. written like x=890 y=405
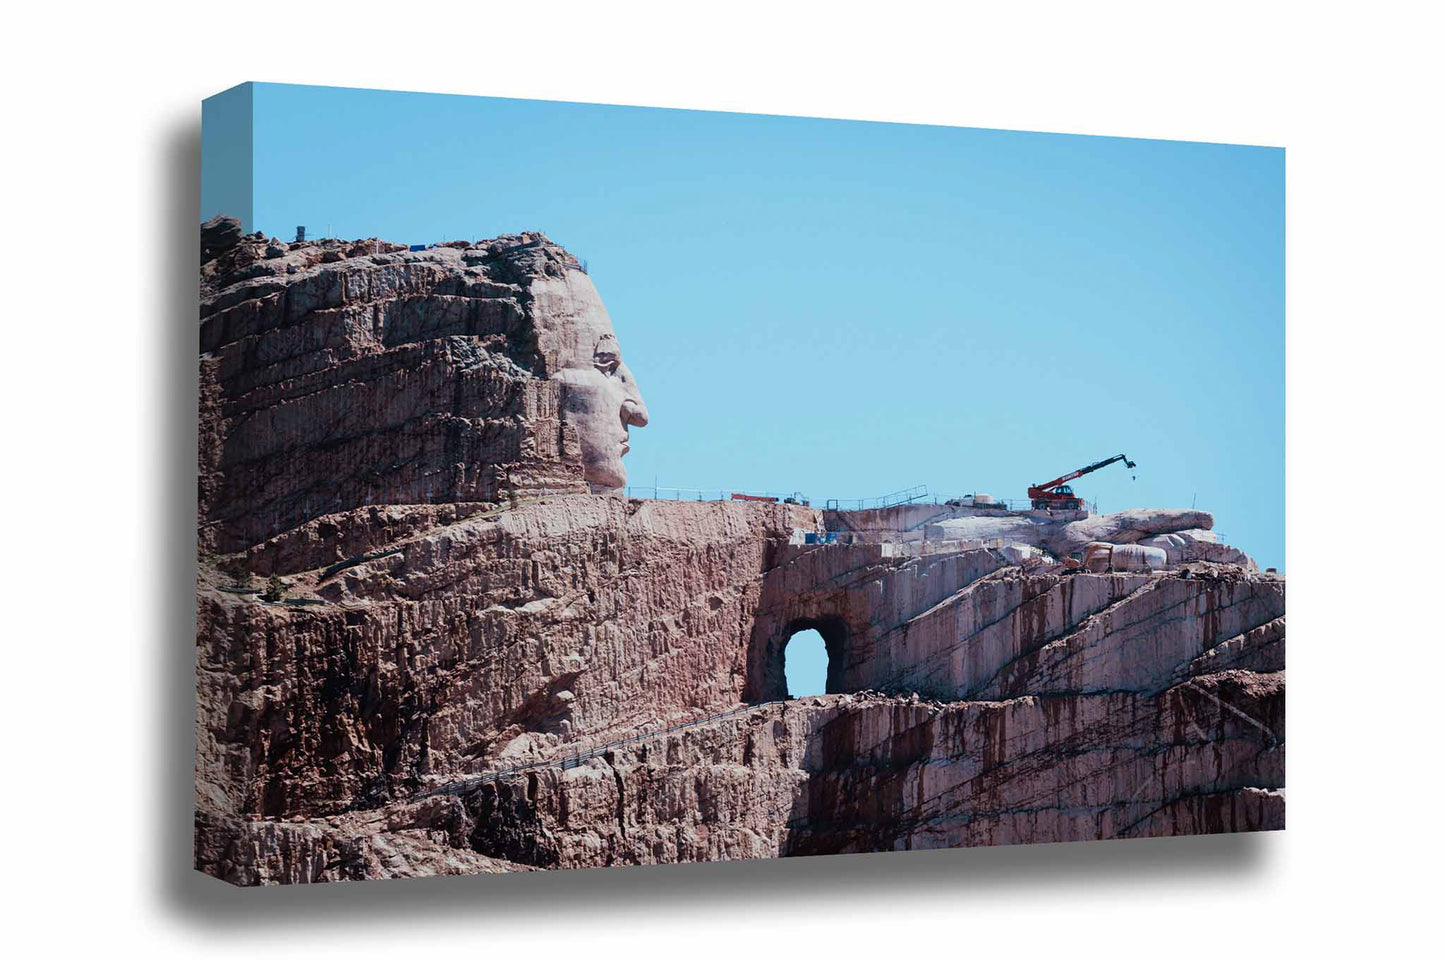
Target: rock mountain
x=483 y=661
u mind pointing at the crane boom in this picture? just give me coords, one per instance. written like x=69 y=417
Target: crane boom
x=1055 y=495
x=1083 y=470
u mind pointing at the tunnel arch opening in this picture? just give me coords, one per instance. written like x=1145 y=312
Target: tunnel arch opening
x=827 y=632
x=805 y=664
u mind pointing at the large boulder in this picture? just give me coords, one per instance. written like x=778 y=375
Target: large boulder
x=1189 y=532
x=218 y=235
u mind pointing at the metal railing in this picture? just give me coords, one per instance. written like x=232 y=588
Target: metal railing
x=897 y=498
x=915 y=494
x=691 y=493
x=684 y=493
x=301 y=511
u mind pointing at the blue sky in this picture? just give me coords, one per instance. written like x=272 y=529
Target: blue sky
x=847 y=308
x=805 y=664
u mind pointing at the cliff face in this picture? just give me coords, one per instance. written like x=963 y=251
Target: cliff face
x=470 y=682
x=827 y=775
x=501 y=635
x=1063 y=706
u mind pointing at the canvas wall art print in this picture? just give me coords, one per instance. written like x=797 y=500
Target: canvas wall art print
x=594 y=486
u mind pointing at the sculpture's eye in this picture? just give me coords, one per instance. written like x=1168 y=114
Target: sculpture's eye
x=607 y=362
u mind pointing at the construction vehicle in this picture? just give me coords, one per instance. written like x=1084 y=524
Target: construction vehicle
x=982 y=501
x=1058 y=495
x=797 y=498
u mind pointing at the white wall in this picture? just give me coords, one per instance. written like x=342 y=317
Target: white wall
x=99 y=238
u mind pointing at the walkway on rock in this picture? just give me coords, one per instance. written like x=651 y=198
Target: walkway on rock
x=577 y=758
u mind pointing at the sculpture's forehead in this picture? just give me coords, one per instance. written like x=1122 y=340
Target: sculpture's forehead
x=571 y=319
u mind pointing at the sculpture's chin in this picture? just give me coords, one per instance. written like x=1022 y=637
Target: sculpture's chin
x=606 y=476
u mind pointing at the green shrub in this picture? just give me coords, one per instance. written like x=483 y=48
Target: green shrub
x=275 y=590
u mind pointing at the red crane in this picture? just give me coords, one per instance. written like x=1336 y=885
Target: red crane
x=1057 y=495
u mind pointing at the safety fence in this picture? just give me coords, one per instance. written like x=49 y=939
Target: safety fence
x=578 y=757
x=302 y=510
x=655 y=492
x=912 y=495
x=897 y=498
x=689 y=493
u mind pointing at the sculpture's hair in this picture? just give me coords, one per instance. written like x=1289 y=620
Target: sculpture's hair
x=344 y=374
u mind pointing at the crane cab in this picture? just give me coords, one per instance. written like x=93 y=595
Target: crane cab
x=1063 y=499
x=1057 y=498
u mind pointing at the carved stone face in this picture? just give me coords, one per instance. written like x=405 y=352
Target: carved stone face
x=599 y=397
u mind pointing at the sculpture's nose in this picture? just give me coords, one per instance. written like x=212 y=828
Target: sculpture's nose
x=634 y=412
